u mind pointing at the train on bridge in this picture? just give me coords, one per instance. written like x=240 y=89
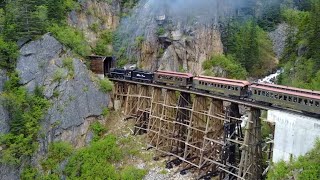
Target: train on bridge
x=307 y=101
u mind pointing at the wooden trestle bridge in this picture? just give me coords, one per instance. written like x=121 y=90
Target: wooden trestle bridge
x=200 y=132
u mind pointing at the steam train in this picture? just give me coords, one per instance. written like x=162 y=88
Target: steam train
x=307 y=101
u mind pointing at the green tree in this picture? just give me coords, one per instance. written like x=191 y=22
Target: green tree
x=314 y=42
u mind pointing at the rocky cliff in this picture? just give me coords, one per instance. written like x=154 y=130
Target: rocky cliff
x=75 y=99
x=176 y=36
x=94 y=16
x=178 y=49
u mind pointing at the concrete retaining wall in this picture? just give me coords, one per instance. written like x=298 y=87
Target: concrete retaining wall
x=295 y=134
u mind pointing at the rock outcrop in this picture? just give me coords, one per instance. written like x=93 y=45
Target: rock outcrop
x=94 y=17
x=4 y=127
x=76 y=101
x=278 y=37
x=73 y=94
x=188 y=52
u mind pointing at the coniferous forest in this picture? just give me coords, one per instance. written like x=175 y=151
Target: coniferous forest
x=248 y=53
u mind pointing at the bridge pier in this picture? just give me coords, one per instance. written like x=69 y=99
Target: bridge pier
x=143 y=110
x=131 y=100
x=250 y=166
x=119 y=95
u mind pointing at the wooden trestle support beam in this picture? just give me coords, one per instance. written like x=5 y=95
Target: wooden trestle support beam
x=198 y=133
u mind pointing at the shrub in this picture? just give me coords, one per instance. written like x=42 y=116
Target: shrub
x=72 y=38
x=98 y=130
x=105 y=85
x=101 y=48
x=68 y=63
x=105 y=112
x=8 y=55
x=138 y=41
x=160 y=31
x=25 y=112
x=233 y=68
x=58 y=152
x=132 y=173
x=94 y=162
x=29 y=173
x=307 y=166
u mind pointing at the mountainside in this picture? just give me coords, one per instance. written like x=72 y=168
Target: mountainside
x=75 y=99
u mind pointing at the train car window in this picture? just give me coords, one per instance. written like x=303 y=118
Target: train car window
x=255 y=91
x=299 y=100
x=206 y=84
x=237 y=89
x=305 y=102
x=232 y=88
x=271 y=95
x=317 y=103
x=276 y=96
x=310 y=103
x=267 y=94
x=295 y=99
x=285 y=97
x=259 y=93
x=229 y=88
x=263 y=93
x=280 y=97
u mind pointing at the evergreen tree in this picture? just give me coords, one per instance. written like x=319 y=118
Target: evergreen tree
x=314 y=39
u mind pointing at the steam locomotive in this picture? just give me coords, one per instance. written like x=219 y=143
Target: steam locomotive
x=307 y=101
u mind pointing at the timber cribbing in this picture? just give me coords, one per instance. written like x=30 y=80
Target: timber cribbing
x=197 y=131
x=215 y=96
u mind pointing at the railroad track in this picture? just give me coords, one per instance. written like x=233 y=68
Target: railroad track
x=215 y=96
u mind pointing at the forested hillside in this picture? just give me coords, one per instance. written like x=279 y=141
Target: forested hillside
x=53 y=110
x=301 y=59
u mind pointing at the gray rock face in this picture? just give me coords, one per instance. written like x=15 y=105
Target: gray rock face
x=9 y=172
x=278 y=37
x=95 y=17
x=76 y=101
x=4 y=127
x=73 y=94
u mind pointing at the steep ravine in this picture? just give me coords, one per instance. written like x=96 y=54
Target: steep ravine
x=75 y=99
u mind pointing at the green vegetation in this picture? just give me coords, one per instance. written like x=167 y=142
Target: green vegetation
x=105 y=112
x=301 y=59
x=105 y=85
x=95 y=162
x=104 y=41
x=72 y=38
x=98 y=130
x=58 y=152
x=251 y=47
x=68 y=63
x=129 y=4
x=132 y=173
x=160 y=31
x=138 y=41
x=304 y=167
x=25 y=112
x=8 y=55
x=232 y=68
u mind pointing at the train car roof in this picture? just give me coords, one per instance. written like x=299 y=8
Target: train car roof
x=288 y=90
x=224 y=80
x=221 y=81
x=172 y=73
